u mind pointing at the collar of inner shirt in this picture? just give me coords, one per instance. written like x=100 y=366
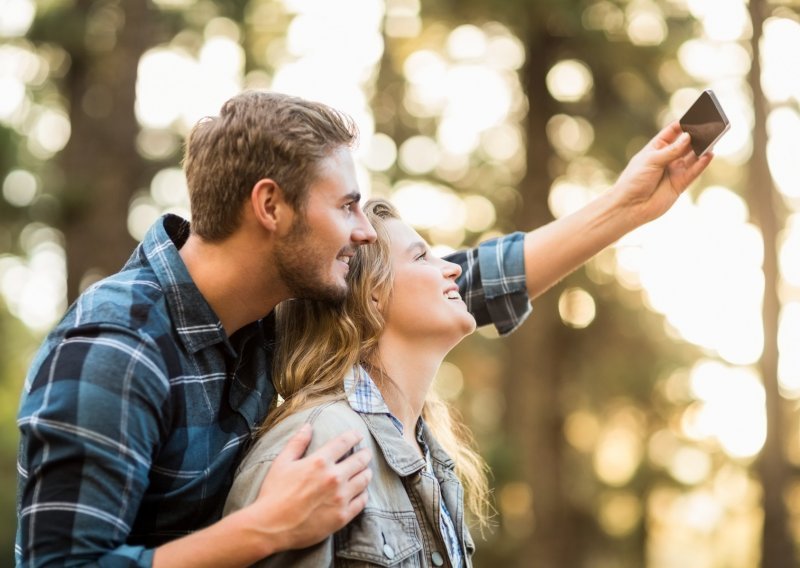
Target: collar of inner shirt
x=365 y=397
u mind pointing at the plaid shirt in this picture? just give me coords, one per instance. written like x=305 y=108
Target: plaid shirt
x=137 y=406
x=364 y=397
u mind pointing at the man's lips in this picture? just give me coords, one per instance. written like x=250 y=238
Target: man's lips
x=345 y=255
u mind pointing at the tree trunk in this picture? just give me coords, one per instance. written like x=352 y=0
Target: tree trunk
x=100 y=161
x=534 y=377
x=777 y=546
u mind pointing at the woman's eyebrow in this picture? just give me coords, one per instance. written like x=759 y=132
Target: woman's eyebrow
x=417 y=246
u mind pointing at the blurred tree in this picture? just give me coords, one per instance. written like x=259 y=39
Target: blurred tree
x=100 y=167
x=777 y=547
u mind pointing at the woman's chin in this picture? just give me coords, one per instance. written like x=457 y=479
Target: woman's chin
x=469 y=325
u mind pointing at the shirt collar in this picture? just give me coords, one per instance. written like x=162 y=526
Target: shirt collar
x=365 y=397
x=195 y=322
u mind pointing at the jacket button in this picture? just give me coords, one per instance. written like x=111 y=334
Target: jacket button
x=437 y=559
x=388 y=551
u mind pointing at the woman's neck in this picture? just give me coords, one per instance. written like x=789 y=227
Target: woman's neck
x=411 y=365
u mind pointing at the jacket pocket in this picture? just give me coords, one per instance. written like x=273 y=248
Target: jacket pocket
x=380 y=538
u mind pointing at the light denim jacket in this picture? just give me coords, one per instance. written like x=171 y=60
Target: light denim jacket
x=400 y=525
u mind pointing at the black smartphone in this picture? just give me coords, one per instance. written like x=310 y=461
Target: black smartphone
x=705 y=121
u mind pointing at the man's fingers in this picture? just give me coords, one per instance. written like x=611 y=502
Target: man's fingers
x=355 y=506
x=354 y=464
x=336 y=448
x=358 y=483
x=297 y=445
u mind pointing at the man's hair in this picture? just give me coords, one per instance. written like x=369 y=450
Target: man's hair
x=258 y=135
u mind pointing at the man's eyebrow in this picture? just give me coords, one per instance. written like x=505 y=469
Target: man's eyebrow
x=352 y=196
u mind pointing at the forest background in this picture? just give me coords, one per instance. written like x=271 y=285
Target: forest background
x=647 y=413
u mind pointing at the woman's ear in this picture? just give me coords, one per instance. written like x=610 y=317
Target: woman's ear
x=375 y=301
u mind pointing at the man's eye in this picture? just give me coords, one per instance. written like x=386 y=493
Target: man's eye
x=423 y=256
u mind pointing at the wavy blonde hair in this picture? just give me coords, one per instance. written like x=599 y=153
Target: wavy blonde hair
x=319 y=343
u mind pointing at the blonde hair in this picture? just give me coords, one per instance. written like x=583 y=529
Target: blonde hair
x=319 y=343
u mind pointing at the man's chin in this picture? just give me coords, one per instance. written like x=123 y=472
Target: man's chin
x=333 y=294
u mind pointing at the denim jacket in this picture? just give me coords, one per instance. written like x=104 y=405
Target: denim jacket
x=400 y=524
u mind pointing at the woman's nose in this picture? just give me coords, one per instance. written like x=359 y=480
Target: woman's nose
x=451 y=270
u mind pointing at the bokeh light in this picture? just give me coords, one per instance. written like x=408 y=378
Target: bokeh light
x=694 y=264
x=34 y=287
x=16 y=17
x=576 y=307
x=619 y=449
x=569 y=80
x=779 y=76
x=20 y=188
x=646 y=25
x=442 y=209
x=731 y=408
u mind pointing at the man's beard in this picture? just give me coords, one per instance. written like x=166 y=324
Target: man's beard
x=303 y=271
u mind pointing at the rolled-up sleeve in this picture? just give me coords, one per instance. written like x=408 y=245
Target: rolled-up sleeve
x=492 y=282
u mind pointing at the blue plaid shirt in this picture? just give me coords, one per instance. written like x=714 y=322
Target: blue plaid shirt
x=136 y=408
x=364 y=397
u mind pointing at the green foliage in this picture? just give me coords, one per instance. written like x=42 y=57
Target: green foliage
x=16 y=346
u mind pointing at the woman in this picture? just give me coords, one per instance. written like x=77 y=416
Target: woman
x=368 y=366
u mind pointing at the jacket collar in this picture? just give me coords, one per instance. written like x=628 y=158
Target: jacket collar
x=365 y=398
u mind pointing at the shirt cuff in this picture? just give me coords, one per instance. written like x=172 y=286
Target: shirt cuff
x=502 y=269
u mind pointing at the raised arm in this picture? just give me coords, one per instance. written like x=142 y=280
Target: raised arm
x=649 y=185
x=501 y=276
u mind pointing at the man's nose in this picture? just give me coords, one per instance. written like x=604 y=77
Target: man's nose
x=363 y=232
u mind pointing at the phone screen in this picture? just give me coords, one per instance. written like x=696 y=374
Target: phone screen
x=705 y=122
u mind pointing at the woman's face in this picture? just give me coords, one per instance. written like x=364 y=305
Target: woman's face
x=424 y=302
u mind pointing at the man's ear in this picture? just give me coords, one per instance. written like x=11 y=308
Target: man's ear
x=268 y=204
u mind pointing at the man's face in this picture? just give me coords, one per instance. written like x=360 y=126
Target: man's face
x=313 y=258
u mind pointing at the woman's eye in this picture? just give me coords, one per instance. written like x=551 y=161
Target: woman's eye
x=423 y=256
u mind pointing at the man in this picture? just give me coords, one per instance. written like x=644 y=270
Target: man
x=139 y=404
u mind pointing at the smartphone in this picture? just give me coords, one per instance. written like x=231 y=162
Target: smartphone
x=705 y=121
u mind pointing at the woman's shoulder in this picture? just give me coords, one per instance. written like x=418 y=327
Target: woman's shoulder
x=325 y=416
x=336 y=415
x=327 y=419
